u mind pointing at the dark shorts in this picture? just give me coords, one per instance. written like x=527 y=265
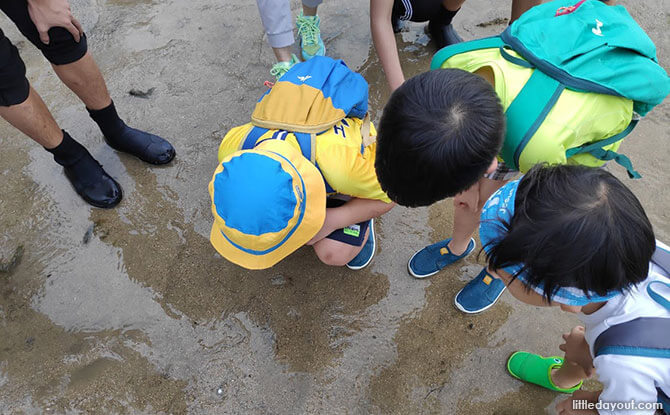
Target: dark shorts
x=351 y=235
x=62 y=49
x=417 y=10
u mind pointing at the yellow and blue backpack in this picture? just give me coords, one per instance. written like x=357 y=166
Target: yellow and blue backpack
x=583 y=46
x=309 y=99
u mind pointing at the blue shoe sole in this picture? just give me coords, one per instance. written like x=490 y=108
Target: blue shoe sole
x=374 y=248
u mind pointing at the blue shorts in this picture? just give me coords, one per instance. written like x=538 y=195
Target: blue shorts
x=351 y=235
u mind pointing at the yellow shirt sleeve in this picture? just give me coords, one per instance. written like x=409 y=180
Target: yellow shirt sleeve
x=346 y=170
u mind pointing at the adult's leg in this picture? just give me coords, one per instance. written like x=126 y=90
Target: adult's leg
x=519 y=7
x=440 y=28
x=77 y=69
x=309 y=30
x=467 y=208
x=452 y=5
x=83 y=77
x=90 y=181
x=276 y=19
x=32 y=118
x=23 y=108
x=309 y=7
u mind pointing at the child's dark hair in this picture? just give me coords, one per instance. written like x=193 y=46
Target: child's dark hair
x=576 y=226
x=439 y=133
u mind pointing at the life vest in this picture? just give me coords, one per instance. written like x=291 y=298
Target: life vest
x=555 y=55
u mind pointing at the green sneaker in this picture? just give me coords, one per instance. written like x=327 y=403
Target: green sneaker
x=310 y=36
x=280 y=68
x=536 y=369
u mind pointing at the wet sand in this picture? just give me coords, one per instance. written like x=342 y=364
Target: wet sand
x=131 y=310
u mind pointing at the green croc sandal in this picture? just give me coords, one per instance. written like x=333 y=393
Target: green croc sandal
x=536 y=369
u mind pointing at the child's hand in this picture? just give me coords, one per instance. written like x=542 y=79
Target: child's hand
x=577 y=350
x=566 y=407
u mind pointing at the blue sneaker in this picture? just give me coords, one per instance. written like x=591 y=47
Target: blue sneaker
x=480 y=293
x=365 y=256
x=431 y=259
x=311 y=43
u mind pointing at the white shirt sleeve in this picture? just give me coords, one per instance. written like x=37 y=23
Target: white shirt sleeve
x=626 y=379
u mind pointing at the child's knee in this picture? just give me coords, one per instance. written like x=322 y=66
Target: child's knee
x=330 y=256
x=333 y=254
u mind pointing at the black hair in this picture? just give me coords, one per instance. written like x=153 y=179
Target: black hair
x=438 y=134
x=576 y=226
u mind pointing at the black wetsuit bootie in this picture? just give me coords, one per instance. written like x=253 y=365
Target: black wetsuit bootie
x=87 y=176
x=441 y=30
x=145 y=146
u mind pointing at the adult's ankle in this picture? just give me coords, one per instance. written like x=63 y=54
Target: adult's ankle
x=68 y=152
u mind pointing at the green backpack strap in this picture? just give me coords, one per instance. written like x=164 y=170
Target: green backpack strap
x=527 y=112
x=463 y=47
x=596 y=150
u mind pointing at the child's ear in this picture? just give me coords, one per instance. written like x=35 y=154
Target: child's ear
x=493 y=166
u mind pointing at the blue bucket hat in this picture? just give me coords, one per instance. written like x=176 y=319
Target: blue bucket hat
x=266 y=202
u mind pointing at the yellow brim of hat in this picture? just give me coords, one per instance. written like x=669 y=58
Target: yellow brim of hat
x=314 y=199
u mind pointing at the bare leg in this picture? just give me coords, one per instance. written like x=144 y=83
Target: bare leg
x=519 y=7
x=467 y=208
x=308 y=11
x=32 y=118
x=452 y=5
x=336 y=253
x=568 y=375
x=84 y=79
x=283 y=54
x=88 y=178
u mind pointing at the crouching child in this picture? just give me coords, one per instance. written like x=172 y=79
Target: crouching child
x=301 y=173
x=577 y=238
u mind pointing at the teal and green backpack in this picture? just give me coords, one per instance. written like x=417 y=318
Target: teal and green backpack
x=583 y=46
